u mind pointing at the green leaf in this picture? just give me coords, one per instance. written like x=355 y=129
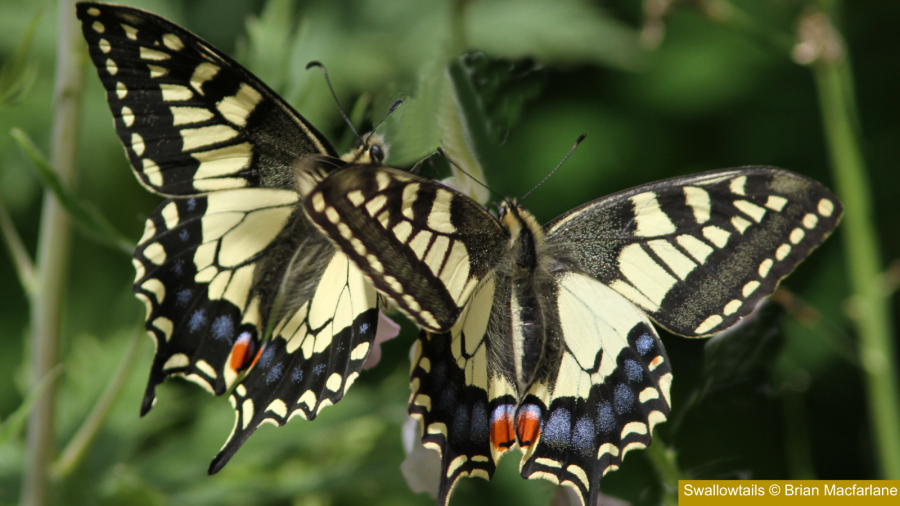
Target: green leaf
x=746 y=352
x=487 y=98
x=413 y=130
x=464 y=132
x=466 y=107
x=502 y=87
x=573 y=31
x=740 y=359
x=84 y=215
x=18 y=73
x=81 y=442
x=269 y=40
x=14 y=422
x=124 y=485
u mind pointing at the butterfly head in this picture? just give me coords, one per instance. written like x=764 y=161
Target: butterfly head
x=372 y=149
x=525 y=235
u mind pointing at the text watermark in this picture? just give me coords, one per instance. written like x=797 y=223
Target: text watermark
x=794 y=492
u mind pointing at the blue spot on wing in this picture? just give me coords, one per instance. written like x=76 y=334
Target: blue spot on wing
x=557 y=430
x=297 y=374
x=274 y=374
x=583 y=437
x=623 y=399
x=266 y=357
x=183 y=297
x=644 y=344
x=633 y=370
x=223 y=328
x=480 y=424
x=447 y=400
x=460 y=424
x=198 y=320
x=184 y=235
x=606 y=420
x=178 y=267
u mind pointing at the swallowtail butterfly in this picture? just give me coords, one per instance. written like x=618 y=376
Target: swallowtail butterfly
x=540 y=338
x=241 y=292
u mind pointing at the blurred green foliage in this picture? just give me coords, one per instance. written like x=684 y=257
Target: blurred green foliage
x=782 y=398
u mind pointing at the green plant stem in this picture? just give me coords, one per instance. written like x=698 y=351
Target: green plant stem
x=870 y=303
x=17 y=252
x=458 y=27
x=12 y=426
x=727 y=13
x=76 y=449
x=52 y=256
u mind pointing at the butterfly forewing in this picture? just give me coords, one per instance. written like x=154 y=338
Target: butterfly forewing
x=192 y=119
x=424 y=245
x=699 y=252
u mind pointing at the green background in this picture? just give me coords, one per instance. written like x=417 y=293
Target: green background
x=781 y=398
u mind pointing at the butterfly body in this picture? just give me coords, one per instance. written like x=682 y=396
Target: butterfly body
x=540 y=337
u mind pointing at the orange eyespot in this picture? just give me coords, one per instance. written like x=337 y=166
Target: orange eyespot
x=241 y=353
x=503 y=433
x=528 y=425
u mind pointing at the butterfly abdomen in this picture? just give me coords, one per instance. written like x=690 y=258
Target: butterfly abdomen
x=530 y=299
x=292 y=268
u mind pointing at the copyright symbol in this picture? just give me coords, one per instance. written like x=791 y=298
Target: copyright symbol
x=774 y=489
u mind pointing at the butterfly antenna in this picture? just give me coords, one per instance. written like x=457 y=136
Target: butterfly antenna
x=395 y=105
x=315 y=63
x=444 y=154
x=580 y=138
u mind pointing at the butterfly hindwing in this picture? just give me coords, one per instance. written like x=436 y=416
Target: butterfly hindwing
x=316 y=353
x=195 y=273
x=699 y=252
x=192 y=119
x=424 y=245
x=463 y=404
x=610 y=387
